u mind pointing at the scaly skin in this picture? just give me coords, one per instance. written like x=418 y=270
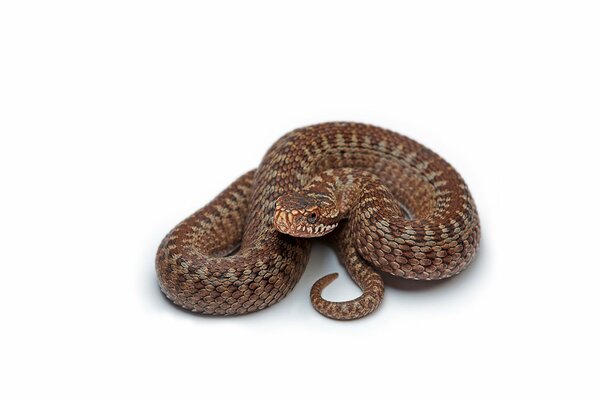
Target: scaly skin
x=331 y=197
x=195 y=269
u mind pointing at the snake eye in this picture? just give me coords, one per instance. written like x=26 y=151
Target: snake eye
x=312 y=217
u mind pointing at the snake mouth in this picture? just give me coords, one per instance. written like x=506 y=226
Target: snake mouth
x=309 y=231
x=284 y=224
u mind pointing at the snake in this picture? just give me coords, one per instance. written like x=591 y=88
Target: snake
x=386 y=203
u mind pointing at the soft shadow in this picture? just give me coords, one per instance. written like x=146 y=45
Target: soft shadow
x=321 y=259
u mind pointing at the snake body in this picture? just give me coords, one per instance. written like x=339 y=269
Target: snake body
x=248 y=247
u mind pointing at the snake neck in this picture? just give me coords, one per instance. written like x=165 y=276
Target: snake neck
x=343 y=186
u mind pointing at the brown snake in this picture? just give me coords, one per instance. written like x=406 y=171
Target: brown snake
x=247 y=248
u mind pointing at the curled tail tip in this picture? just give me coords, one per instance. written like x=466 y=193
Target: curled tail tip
x=323 y=282
x=346 y=310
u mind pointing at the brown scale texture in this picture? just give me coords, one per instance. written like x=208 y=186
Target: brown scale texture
x=197 y=271
x=355 y=191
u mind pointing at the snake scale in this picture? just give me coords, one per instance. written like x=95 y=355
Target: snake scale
x=386 y=202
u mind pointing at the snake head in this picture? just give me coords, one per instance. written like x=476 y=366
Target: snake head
x=305 y=214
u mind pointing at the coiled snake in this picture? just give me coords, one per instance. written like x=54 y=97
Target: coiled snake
x=247 y=248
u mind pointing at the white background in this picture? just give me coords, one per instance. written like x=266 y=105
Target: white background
x=120 y=118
